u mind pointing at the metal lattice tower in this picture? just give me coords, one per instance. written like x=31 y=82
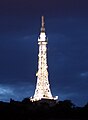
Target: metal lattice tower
x=42 y=90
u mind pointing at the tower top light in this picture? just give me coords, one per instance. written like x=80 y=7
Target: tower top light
x=43 y=27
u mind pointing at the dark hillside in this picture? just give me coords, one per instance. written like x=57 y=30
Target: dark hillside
x=27 y=110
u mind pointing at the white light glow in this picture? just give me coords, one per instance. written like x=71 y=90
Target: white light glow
x=42 y=87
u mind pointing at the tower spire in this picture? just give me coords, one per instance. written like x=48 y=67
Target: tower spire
x=42 y=27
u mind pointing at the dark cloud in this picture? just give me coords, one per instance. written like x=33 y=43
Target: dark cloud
x=68 y=59
x=17 y=59
x=16 y=91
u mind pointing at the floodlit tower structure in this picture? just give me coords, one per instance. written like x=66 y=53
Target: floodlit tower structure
x=42 y=90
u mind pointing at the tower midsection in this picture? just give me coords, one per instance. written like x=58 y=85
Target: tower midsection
x=42 y=87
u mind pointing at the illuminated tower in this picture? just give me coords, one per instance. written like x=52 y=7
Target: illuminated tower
x=42 y=90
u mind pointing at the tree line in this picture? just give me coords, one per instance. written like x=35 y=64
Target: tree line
x=42 y=110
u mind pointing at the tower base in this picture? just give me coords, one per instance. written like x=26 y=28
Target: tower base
x=44 y=99
x=45 y=102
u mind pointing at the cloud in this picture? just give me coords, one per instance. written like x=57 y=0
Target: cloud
x=84 y=74
x=5 y=90
x=16 y=91
x=64 y=96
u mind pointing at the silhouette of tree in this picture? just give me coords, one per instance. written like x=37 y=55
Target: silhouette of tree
x=27 y=110
x=86 y=106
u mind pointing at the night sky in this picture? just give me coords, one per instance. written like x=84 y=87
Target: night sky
x=66 y=23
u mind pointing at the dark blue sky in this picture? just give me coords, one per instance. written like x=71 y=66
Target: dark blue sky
x=66 y=23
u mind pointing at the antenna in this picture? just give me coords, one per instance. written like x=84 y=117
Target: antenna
x=43 y=27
